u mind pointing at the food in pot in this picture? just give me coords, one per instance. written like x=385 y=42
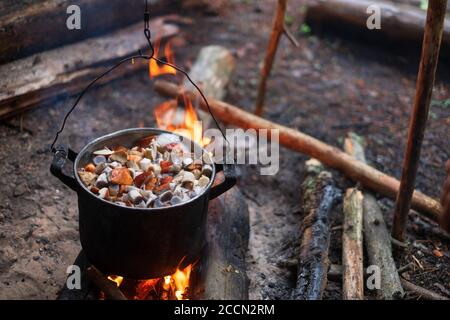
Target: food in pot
x=158 y=171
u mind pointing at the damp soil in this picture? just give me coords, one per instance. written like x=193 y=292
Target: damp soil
x=326 y=87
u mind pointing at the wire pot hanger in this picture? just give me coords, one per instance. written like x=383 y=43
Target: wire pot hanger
x=140 y=55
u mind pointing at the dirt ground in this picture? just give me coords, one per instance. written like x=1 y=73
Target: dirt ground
x=328 y=86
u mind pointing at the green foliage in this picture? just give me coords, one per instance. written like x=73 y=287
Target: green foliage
x=305 y=29
x=424 y=4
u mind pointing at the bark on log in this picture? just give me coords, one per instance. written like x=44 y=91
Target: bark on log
x=85 y=292
x=67 y=70
x=352 y=246
x=331 y=156
x=398 y=22
x=31 y=28
x=224 y=270
x=319 y=195
x=376 y=234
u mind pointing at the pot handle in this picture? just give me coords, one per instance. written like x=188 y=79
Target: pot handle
x=62 y=153
x=229 y=182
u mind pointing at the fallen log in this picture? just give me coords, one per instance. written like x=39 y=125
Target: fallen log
x=368 y=176
x=319 y=195
x=69 y=69
x=352 y=246
x=33 y=27
x=224 y=270
x=376 y=234
x=399 y=23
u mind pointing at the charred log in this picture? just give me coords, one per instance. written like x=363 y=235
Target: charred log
x=319 y=196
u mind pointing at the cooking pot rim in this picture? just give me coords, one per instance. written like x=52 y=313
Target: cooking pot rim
x=118 y=133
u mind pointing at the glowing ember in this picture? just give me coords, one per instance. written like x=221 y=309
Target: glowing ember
x=170 y=287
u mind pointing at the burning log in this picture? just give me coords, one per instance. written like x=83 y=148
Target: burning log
x=33 y=27
x=352 y=246
x=376 y=234
x=319 y=195
x=224 y=269
x=295 y=140
x=398 y=22
x=108 y=287
x=43 y=76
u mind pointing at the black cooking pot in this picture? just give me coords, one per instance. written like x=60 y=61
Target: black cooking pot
x=134 y=242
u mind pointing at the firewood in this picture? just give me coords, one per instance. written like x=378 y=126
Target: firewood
x=228 y=229
x=352 y=246
x=108 y=287
x=422 y=292
x=33 y=27
x=69 y=69
x=319 y=196
x=368 y=176
x=376 y=234
x=400 y=23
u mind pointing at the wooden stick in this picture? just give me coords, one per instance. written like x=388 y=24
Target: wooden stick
x=319 y=195
x=428 y=64
x=352 y=246
x=277 y=31
x=108 y=287
x=422 y=292
x=376 y=235
x=331 y=156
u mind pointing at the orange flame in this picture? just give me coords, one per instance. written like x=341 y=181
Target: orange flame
x=154 y=69
x=184 y=121
x=117 y=279
x=174 y=286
